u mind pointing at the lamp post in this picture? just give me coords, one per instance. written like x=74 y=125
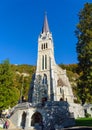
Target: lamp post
x=21 y=91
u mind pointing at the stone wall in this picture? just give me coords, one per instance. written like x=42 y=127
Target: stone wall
x=51 y=115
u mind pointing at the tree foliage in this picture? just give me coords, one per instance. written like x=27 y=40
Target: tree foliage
x=84 y=51
x=70 y=67
x=8 y=93
x=14 y=83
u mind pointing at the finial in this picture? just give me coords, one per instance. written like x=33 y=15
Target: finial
x=45 y=13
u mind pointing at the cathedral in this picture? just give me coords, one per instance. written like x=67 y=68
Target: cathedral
x=53 y=78
x=50 y=100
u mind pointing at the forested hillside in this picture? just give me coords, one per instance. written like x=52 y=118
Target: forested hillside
x=22 y=77
x=15 y=81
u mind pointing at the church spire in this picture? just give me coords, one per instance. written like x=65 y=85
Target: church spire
x=45 y=25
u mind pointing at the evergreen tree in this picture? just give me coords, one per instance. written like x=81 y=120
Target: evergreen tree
x=84 y=51
x=8 y=93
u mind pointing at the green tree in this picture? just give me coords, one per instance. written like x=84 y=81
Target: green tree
x=9 y=94
x=84 y=51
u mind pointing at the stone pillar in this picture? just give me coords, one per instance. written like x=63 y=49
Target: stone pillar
x=19 y=119
x=28 y=120
x=48 y=86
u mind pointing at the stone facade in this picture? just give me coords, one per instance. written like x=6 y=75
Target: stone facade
x=52 y=76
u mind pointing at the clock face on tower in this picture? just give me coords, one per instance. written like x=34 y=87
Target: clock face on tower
x=44 y=38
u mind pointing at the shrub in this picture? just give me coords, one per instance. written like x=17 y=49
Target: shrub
x=87 y=115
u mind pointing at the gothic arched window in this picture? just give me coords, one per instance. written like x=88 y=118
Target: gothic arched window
x=45 y=61
x=42 y=47
x=45 y=79
x=46 y=45
x=42 y=62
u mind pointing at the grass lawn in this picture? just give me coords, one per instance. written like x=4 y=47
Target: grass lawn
x=84 y=122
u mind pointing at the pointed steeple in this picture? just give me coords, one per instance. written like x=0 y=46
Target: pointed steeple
x=45 y=25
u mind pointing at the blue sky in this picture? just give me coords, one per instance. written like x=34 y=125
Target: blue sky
x=21 y=23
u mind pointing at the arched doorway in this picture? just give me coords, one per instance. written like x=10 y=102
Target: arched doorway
x=36 y=119
x=23 y=121
x=44 y=99
x=61 y=99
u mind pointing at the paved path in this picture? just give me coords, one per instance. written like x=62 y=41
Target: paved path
x=72 y=128
x=79 y=128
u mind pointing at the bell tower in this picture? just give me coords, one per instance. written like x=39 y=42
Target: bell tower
x=50 y=81
x=45 y=60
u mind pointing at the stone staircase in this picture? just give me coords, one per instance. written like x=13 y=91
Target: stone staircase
x=21 y=129
x=13 y=129
x=12 y=126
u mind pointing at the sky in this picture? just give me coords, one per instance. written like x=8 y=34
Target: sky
x=21 y=23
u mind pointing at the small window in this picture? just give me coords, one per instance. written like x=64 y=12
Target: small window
x=91 y=108
x=42 y=47
x=60 y=90
x=46 y=45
